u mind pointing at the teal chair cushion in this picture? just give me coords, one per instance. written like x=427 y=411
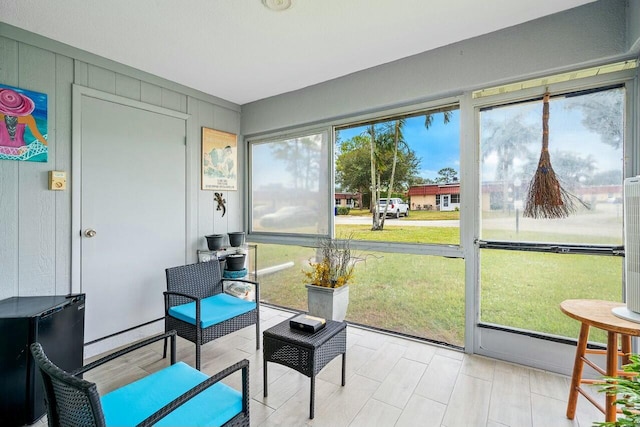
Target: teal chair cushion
x=131 y=404
x=215 y=309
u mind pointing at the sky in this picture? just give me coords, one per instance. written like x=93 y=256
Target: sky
x=566 y=133
x=437 y=147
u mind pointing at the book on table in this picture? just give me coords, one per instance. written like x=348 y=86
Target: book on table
x=307 y=323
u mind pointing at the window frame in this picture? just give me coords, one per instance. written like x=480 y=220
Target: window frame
x=329 y=199
x=451 y=250
x=330 y=125
x=491 y=340
x=620 y=79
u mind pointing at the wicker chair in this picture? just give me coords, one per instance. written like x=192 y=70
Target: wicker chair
x=198 y=309
x=175 y=395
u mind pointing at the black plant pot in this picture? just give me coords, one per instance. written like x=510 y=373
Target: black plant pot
x=235 y=262
x=236 y=238
x=214 y=241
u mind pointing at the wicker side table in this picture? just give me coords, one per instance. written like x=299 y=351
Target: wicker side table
x=305 y=352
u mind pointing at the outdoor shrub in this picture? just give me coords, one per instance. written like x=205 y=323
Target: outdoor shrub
x=343 y=210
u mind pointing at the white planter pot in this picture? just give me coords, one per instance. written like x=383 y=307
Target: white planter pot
x=328 y=303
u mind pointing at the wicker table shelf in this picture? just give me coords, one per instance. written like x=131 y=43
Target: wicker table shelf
x=305 y=352
x=251 y=249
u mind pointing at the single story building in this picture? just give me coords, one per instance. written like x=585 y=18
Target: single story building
x=442 y=197
x=350 y=200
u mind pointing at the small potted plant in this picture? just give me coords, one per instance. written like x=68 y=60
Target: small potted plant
x=328 y=278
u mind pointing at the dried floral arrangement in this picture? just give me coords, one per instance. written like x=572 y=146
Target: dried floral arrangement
x=335 y=264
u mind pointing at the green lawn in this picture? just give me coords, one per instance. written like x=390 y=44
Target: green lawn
x=414 y=215
x=402 y=234
x=424 y=295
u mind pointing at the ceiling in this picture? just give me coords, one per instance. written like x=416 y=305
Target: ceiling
x=241 y=51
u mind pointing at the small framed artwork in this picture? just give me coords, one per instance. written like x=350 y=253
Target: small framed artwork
x=23 y=125
x=219 y=160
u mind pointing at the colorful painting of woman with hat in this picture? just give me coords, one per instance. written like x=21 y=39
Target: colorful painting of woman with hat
x=20 y=138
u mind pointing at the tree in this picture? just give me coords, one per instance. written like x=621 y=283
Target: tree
x=428 y=118
x=506 y=139
x=393 y=141
x=396 y=129
x=375 y=186
x=570 y=167
x=608 y=177
x=353 y=165
x=392 y=164
x=447 y=175
x=418 y=180
x=301 y=156
x=603 y=113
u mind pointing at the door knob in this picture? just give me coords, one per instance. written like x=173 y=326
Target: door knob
x=89 y=232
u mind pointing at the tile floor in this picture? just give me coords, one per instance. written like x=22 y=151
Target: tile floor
x=391 y=381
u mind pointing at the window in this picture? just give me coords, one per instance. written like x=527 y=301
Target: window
x=406 y=293
x=586 y=150
x=586 y=135
x=426 y=149
x=289 y=188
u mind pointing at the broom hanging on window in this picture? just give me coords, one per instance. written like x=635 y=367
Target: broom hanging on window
x=546 y=198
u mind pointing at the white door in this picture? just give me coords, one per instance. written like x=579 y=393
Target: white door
x=446 y=198
x=133 y=197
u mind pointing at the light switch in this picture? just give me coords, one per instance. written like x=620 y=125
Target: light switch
x=57 y=180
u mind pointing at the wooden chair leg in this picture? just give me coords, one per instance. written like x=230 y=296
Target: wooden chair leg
x=578 y=364
x=612 y=371
x=626 y=348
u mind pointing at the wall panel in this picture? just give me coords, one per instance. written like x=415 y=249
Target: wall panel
x=174 y=100
x=36 y=204
x=194 y=234
x=206 y=208
x=80 y=73
x=150 y=93
x=64 y=79
x=128 y=86
x=9 y=188
x=101 y=79
x=229 y=121
x=36 y=255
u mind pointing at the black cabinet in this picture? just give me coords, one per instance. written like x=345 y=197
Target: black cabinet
x=57 y=323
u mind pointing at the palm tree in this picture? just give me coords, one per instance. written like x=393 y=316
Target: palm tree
x=507 y=139
x=375 y=187
x=398 y=138
x=392 y=140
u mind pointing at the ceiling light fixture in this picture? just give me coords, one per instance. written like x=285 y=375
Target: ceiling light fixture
x=277 y=5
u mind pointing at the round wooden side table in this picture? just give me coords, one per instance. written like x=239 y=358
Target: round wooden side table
x=598 y=314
